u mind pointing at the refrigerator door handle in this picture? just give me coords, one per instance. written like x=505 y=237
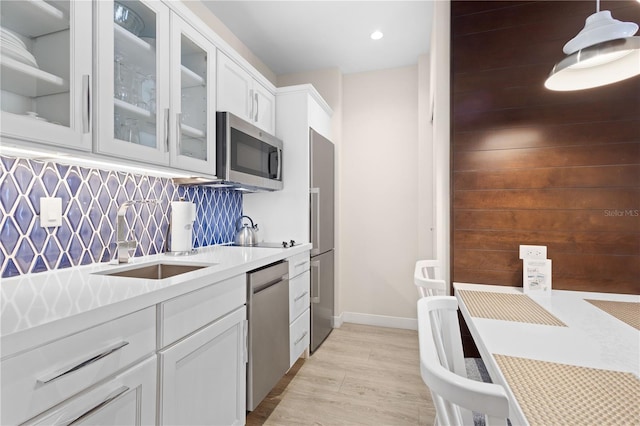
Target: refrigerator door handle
x=316 y=265
x=316 y=244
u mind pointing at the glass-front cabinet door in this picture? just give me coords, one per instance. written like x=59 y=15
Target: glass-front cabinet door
x=193 y=98
x=133 y=80
x=46 y=72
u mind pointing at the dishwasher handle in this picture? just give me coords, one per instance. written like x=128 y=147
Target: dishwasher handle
x=267 y=276
x=257 y=288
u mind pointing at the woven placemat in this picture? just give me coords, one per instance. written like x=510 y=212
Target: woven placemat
x=628 y=312
x=559 y=394
x=507 y=307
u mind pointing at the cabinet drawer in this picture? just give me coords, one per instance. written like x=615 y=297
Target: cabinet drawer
x=299 y=336
x=40 y=378
x=299 y=295
x=298 y=264
x=129 y=398
x=187 y=313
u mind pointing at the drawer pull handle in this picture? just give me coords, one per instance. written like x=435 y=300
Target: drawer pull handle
x=304 y=262
x=301 y=296
x=300 y=338
x=109 y=398
x=90 y=360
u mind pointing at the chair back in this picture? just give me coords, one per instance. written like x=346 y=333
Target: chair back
x=443 y=370
x=427 y=276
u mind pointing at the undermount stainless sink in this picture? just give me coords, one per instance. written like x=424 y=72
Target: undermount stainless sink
x=155 y=271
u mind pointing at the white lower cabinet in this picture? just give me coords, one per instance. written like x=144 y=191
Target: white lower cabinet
x=299 y=306
x=37 y=380
x=203 y=376
x=299 y=295
x=127 y=399
x=300 y=336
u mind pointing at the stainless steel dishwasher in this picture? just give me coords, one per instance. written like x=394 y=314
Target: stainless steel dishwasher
x=268 y=315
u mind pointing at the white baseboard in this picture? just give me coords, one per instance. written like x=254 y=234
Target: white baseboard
x=377 y=320
x=336 y=322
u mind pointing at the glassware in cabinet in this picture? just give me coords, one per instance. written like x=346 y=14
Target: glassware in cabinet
x=193 y=83
x=45 y=64
x=134 y=97
x=134 y=82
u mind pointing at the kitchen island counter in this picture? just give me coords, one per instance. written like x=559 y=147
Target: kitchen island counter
x=41 y=307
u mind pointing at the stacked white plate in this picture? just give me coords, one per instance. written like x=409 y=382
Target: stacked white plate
x=11 y=46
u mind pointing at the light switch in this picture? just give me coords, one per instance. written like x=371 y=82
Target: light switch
x=50 y=212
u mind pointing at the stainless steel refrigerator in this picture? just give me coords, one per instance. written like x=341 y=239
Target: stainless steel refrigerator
x=322 y=211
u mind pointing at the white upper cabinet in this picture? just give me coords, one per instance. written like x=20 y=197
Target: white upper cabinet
x=234 y=88
x=264 y=108
x=46 y=72
x=240 y=94
x=154 y=69
x=156 y=86
x=133 y=80
x=193 y=65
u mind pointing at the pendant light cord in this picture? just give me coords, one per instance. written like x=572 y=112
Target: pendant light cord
x=597 y=6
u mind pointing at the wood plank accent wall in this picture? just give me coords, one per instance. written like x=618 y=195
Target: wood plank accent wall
x=532 y=166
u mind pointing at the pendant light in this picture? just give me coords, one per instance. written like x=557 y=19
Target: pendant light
x=604 y=52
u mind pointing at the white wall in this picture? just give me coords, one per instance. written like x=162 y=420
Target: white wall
x=379 y=205
x=426 y=183
x=440 y=83
x=391 y=102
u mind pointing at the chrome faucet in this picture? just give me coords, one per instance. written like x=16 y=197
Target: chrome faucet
x=124 y=245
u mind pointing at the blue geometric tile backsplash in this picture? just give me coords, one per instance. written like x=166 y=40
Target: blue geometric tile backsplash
x=90 y=201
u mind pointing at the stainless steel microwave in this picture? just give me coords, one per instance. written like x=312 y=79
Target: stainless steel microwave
x=247 y=156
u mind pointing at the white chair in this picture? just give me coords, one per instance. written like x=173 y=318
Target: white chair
x=427 y=278
x=443 y=370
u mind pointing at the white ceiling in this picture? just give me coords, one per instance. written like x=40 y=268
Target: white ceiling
x=297 y=36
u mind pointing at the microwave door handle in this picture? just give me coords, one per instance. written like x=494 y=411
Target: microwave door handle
x=279 y=174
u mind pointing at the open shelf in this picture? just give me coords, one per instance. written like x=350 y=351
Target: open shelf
x=26 y=80
x=33 y=18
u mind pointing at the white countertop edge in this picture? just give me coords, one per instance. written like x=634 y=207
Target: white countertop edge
x=14 y=342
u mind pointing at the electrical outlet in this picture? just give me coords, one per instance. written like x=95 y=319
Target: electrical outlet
x=533 y=252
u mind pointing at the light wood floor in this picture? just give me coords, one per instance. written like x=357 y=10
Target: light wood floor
x=361 y=375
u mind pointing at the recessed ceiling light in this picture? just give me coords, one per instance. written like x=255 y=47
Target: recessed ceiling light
x=376 y=35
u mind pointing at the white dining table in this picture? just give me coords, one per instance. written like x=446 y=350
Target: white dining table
x=590 y=338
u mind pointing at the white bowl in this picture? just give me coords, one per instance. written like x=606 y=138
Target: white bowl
x=127 y=19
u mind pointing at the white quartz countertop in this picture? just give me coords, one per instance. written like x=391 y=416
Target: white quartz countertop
x=37 y=308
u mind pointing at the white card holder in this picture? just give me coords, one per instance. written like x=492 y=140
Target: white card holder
x=536 y=276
